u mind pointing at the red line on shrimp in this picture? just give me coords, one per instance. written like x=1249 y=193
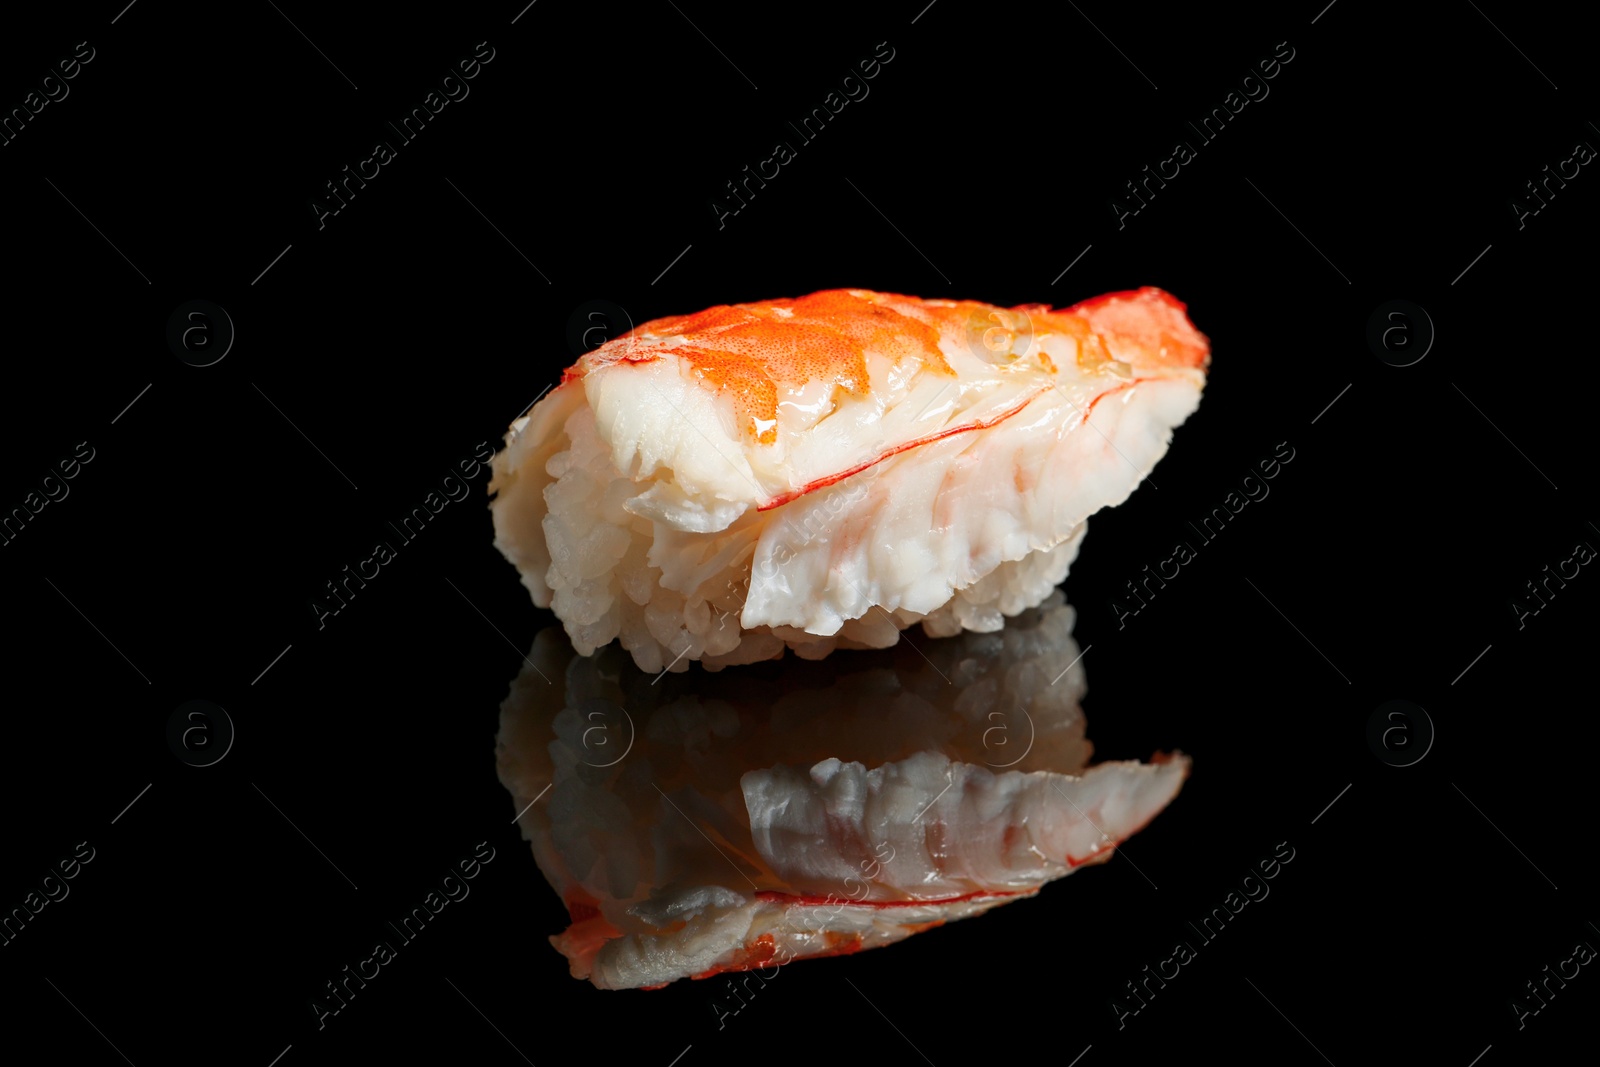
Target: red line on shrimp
x=982 y=424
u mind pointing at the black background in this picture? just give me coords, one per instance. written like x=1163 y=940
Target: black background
x=383 y=347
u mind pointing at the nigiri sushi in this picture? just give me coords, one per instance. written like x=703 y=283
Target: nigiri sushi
x=744 y=819
x=827 y=471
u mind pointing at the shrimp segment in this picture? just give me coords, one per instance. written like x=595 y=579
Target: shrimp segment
x=743 y=820
x=824 y=472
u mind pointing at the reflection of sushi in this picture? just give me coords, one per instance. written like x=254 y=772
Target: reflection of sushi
x=825 y=472
x=733 y=821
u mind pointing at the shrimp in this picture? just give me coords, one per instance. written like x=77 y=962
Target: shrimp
x=744 y=819
x=825 y=472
